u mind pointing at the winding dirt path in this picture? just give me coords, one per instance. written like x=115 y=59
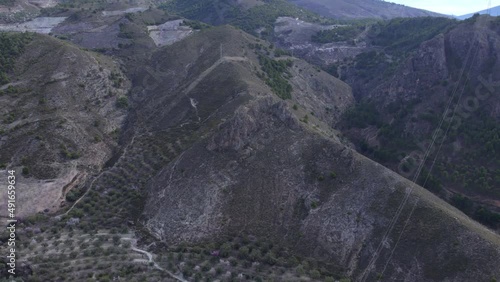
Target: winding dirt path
x=150 y=259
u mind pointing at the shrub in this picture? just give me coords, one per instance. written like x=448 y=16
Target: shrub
x=122 y=102
x=315 y=274
x=255 y=254
x=300 y=270
x=314 y=205
x=276 y=71
x=243 y=252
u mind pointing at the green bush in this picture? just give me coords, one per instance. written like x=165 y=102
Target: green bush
x=276 y=73
x=122 y=102
x=299 y=270
x=243 y=252
x=315 y=274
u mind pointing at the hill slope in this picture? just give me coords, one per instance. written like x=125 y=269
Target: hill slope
x=266 y=171
x=59 y=116
x=402 y=102
x=227 y=166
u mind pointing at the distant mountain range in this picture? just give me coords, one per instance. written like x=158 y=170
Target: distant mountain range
x=495 y=11
x=362 y=9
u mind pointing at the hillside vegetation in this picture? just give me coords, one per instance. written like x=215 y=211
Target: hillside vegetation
x=11 y=46
x=259 y=19
x=339 y=34
x=405 y=34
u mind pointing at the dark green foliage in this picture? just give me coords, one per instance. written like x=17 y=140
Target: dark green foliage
x=462 y=203
x=333 y=69
x=276 y=73
x=478 y=212
x=7 y=2
x=69 y=154
x=116 y=78
x=370 y=64
x=487 y=217
x=196 y=25
x=362 y=115
x=339 y=34
x=478 y=168
x=314 y=205
x=122 y=102
x=125 y=32
x=281 y=52
x=393 y=141
x=429 y=181
x=52 y=11
x=207 y=11
x=11 y=46
x=405 y=34
x=73 y=195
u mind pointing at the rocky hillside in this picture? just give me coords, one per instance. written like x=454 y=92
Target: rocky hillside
x=269 y=171
x=394 y=120
x=403 y=101
x=179 y=151
x=62 y=112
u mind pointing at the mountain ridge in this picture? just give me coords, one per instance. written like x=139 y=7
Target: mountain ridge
x=493 y=11
x=358 y=9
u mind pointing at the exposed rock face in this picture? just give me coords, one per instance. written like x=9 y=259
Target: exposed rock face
x=39 y=25
x=168 y=33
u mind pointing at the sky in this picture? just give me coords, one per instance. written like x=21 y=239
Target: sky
x=449 y=7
